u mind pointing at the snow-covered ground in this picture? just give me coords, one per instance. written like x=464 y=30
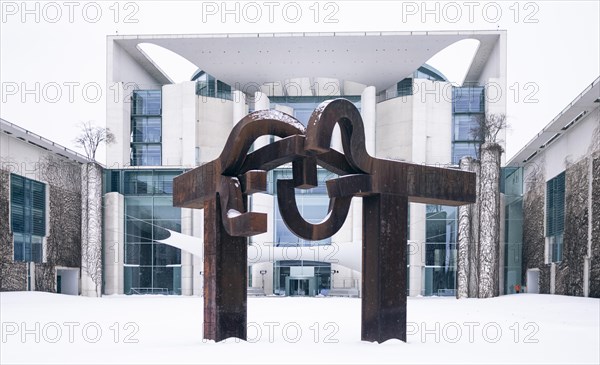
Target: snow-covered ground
x=60 y=329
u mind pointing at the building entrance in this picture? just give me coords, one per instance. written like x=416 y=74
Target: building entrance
x=300 y=286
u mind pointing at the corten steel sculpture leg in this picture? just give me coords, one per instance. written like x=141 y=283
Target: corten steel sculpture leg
x=384 y=268
x=221 y=187
x=225 y=282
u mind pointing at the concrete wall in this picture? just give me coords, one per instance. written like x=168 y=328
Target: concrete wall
x=118 y=120
x=179 y=104
x=212 y=127
x=114 y=243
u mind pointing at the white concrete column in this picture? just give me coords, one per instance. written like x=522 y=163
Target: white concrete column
x=264 y=203
x=198 y=262
x=261 y=102
x=186 y=257
x=114 y=245
x=416 y=258
x=368 y=106
x=285 y=109
x=357 y=206
x=240 y=108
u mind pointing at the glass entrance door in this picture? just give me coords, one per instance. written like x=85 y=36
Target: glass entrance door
x=298 y=287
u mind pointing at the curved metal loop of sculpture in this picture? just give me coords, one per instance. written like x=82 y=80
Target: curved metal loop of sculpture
x=305 y=148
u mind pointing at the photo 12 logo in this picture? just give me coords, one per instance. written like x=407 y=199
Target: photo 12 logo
x=71 y=332
x=290 y=332
x=69 y=12
x=469 y=11
x=269 y=11
x=471 y=332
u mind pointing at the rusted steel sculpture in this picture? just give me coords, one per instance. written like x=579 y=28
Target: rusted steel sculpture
x=221 y=188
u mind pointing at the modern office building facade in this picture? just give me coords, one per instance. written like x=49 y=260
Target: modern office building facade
x=410 y=111
x=552 y=187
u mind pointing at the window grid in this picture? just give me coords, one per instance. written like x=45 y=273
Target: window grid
x=555 y=216
x=28 y=218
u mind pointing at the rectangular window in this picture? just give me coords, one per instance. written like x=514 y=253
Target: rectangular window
x=146 y=154
x=146 y=128
x=28 y=217
x=405 y=87
x=468 y=99
x=462 y=149
x=146 y=102
x=464 y=126
x=150 y=266
x=555 y=215
x=440 y=250
x=468 y=105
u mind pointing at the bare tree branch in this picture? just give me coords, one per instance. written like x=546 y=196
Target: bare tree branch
x=91 y=136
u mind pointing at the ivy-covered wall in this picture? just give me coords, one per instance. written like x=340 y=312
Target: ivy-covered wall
x=595 y=256
x=569 y=272
x=533 y=229
x=63 y=236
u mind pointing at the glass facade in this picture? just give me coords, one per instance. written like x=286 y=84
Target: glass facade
x=405 y=86
x=28 y=217
x=207 y=85
x=150 y=266
x=304 y=278
x=512 y=187
x=301 y=278
x=304 y=105
x=146 y=128
x=555 y=215
x=440 y=250
x=468 y=108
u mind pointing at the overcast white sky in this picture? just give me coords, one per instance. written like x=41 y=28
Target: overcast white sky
x=56 y=50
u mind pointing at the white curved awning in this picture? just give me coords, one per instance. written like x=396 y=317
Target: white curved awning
x=345 y=254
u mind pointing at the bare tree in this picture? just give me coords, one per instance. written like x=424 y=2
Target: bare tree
x=479 y=246
x=487 y=129
x=91 y=136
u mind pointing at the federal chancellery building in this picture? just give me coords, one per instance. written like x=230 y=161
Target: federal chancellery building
x=410 y=110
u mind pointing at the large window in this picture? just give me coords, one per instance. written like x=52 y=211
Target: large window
x=150 y=266
x=207 y=85
x=440 y=250
x=146 y=102
x=146 y=128
x=468 y=108
x=468 y=99
x=512 y=187
x=28 y=217
x=555 y=216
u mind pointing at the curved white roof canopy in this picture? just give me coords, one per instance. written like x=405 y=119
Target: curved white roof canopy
x=377 y=59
